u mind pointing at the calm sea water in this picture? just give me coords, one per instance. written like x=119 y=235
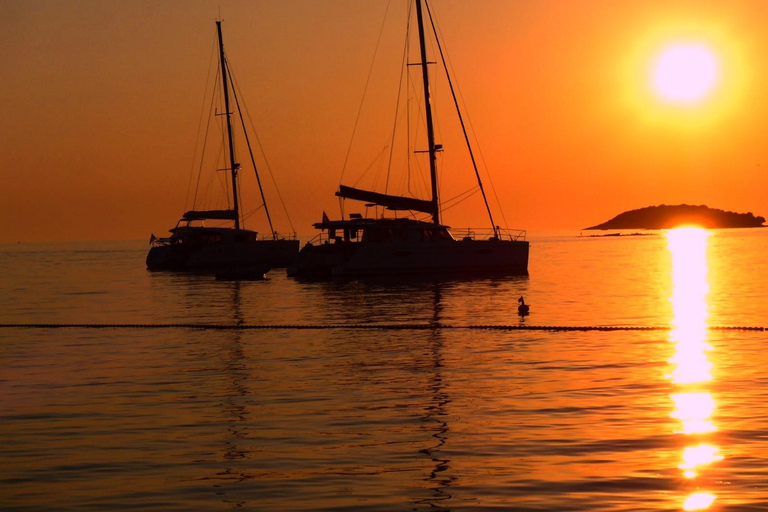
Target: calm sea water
x=390 y=419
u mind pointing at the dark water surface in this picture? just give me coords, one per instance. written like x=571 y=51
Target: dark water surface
x=390 y=420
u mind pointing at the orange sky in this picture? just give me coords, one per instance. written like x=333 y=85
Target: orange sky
x=102 y=99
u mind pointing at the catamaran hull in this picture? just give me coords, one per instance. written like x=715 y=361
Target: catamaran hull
x=465 y=257
x=191 y=257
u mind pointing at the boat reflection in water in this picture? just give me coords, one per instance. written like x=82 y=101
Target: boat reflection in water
x=691 y=370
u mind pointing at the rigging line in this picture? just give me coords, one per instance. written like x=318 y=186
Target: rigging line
x=249 y=214
x=408 y=149
x=437 y=125
x=216 y=182
x=213 y=184
x=377 y=162
x=253 y=210
x=199 y=126
x=403 y=69
x=240 y=200
x=490 y=178
x=417 y=123
x=488 y=174
x=461 y=118
x=205 y=138
x=365 y=90
x=477 y=140
x=223 y=150
x=458 y=200
x=263 y=154
x=250 y=151
x=468 y=193
x=374 y=160
x=378 y=171
x=449 y=206
x=407 y=183
x=420 y=173
x=434 y=200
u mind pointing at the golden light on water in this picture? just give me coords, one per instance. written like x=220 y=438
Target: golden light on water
x=688 y=246
x=694 y=410
x=691 y=370
x=698 y=501
x=696 y=456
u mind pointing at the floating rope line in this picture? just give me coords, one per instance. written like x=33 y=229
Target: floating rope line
x=385 y=327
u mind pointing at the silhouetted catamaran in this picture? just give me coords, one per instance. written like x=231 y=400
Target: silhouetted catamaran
x=362 y=246
x=229 y=248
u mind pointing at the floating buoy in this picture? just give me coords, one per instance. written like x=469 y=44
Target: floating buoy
x=523 y=309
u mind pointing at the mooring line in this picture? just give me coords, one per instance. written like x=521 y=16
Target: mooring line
x=429 y=326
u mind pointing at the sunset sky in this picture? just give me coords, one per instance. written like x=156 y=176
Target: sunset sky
x=102 y=101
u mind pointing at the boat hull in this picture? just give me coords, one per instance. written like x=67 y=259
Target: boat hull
x=222 y=255
x=453 y=257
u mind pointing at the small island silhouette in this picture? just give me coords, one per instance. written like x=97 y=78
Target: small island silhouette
x=670 y=216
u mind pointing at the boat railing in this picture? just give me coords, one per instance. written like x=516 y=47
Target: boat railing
x=459 y=233
x=279 y=236
x=320 y=239
x=489 y=234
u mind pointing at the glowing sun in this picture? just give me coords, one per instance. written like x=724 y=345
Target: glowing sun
x=685 y=73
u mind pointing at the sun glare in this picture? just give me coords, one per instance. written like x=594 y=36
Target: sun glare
x=685 y=73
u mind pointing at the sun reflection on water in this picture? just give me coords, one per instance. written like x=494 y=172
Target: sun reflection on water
x=694 y=410
x=698 y=501
x=691 y=369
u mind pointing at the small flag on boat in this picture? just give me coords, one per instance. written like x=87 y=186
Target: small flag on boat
x=152 y=238
x=325 y=217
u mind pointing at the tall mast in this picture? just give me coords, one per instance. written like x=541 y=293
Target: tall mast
x=233 y=165
x=428 y=110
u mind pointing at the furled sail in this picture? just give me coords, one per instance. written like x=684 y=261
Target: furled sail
x=210 y=215
x=388 y=201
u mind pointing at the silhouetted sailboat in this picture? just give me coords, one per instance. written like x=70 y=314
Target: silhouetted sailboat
x=228 y=248
x=360 y=246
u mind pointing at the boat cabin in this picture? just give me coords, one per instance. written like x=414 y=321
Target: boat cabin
x=358 y=229
x=186 y=233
